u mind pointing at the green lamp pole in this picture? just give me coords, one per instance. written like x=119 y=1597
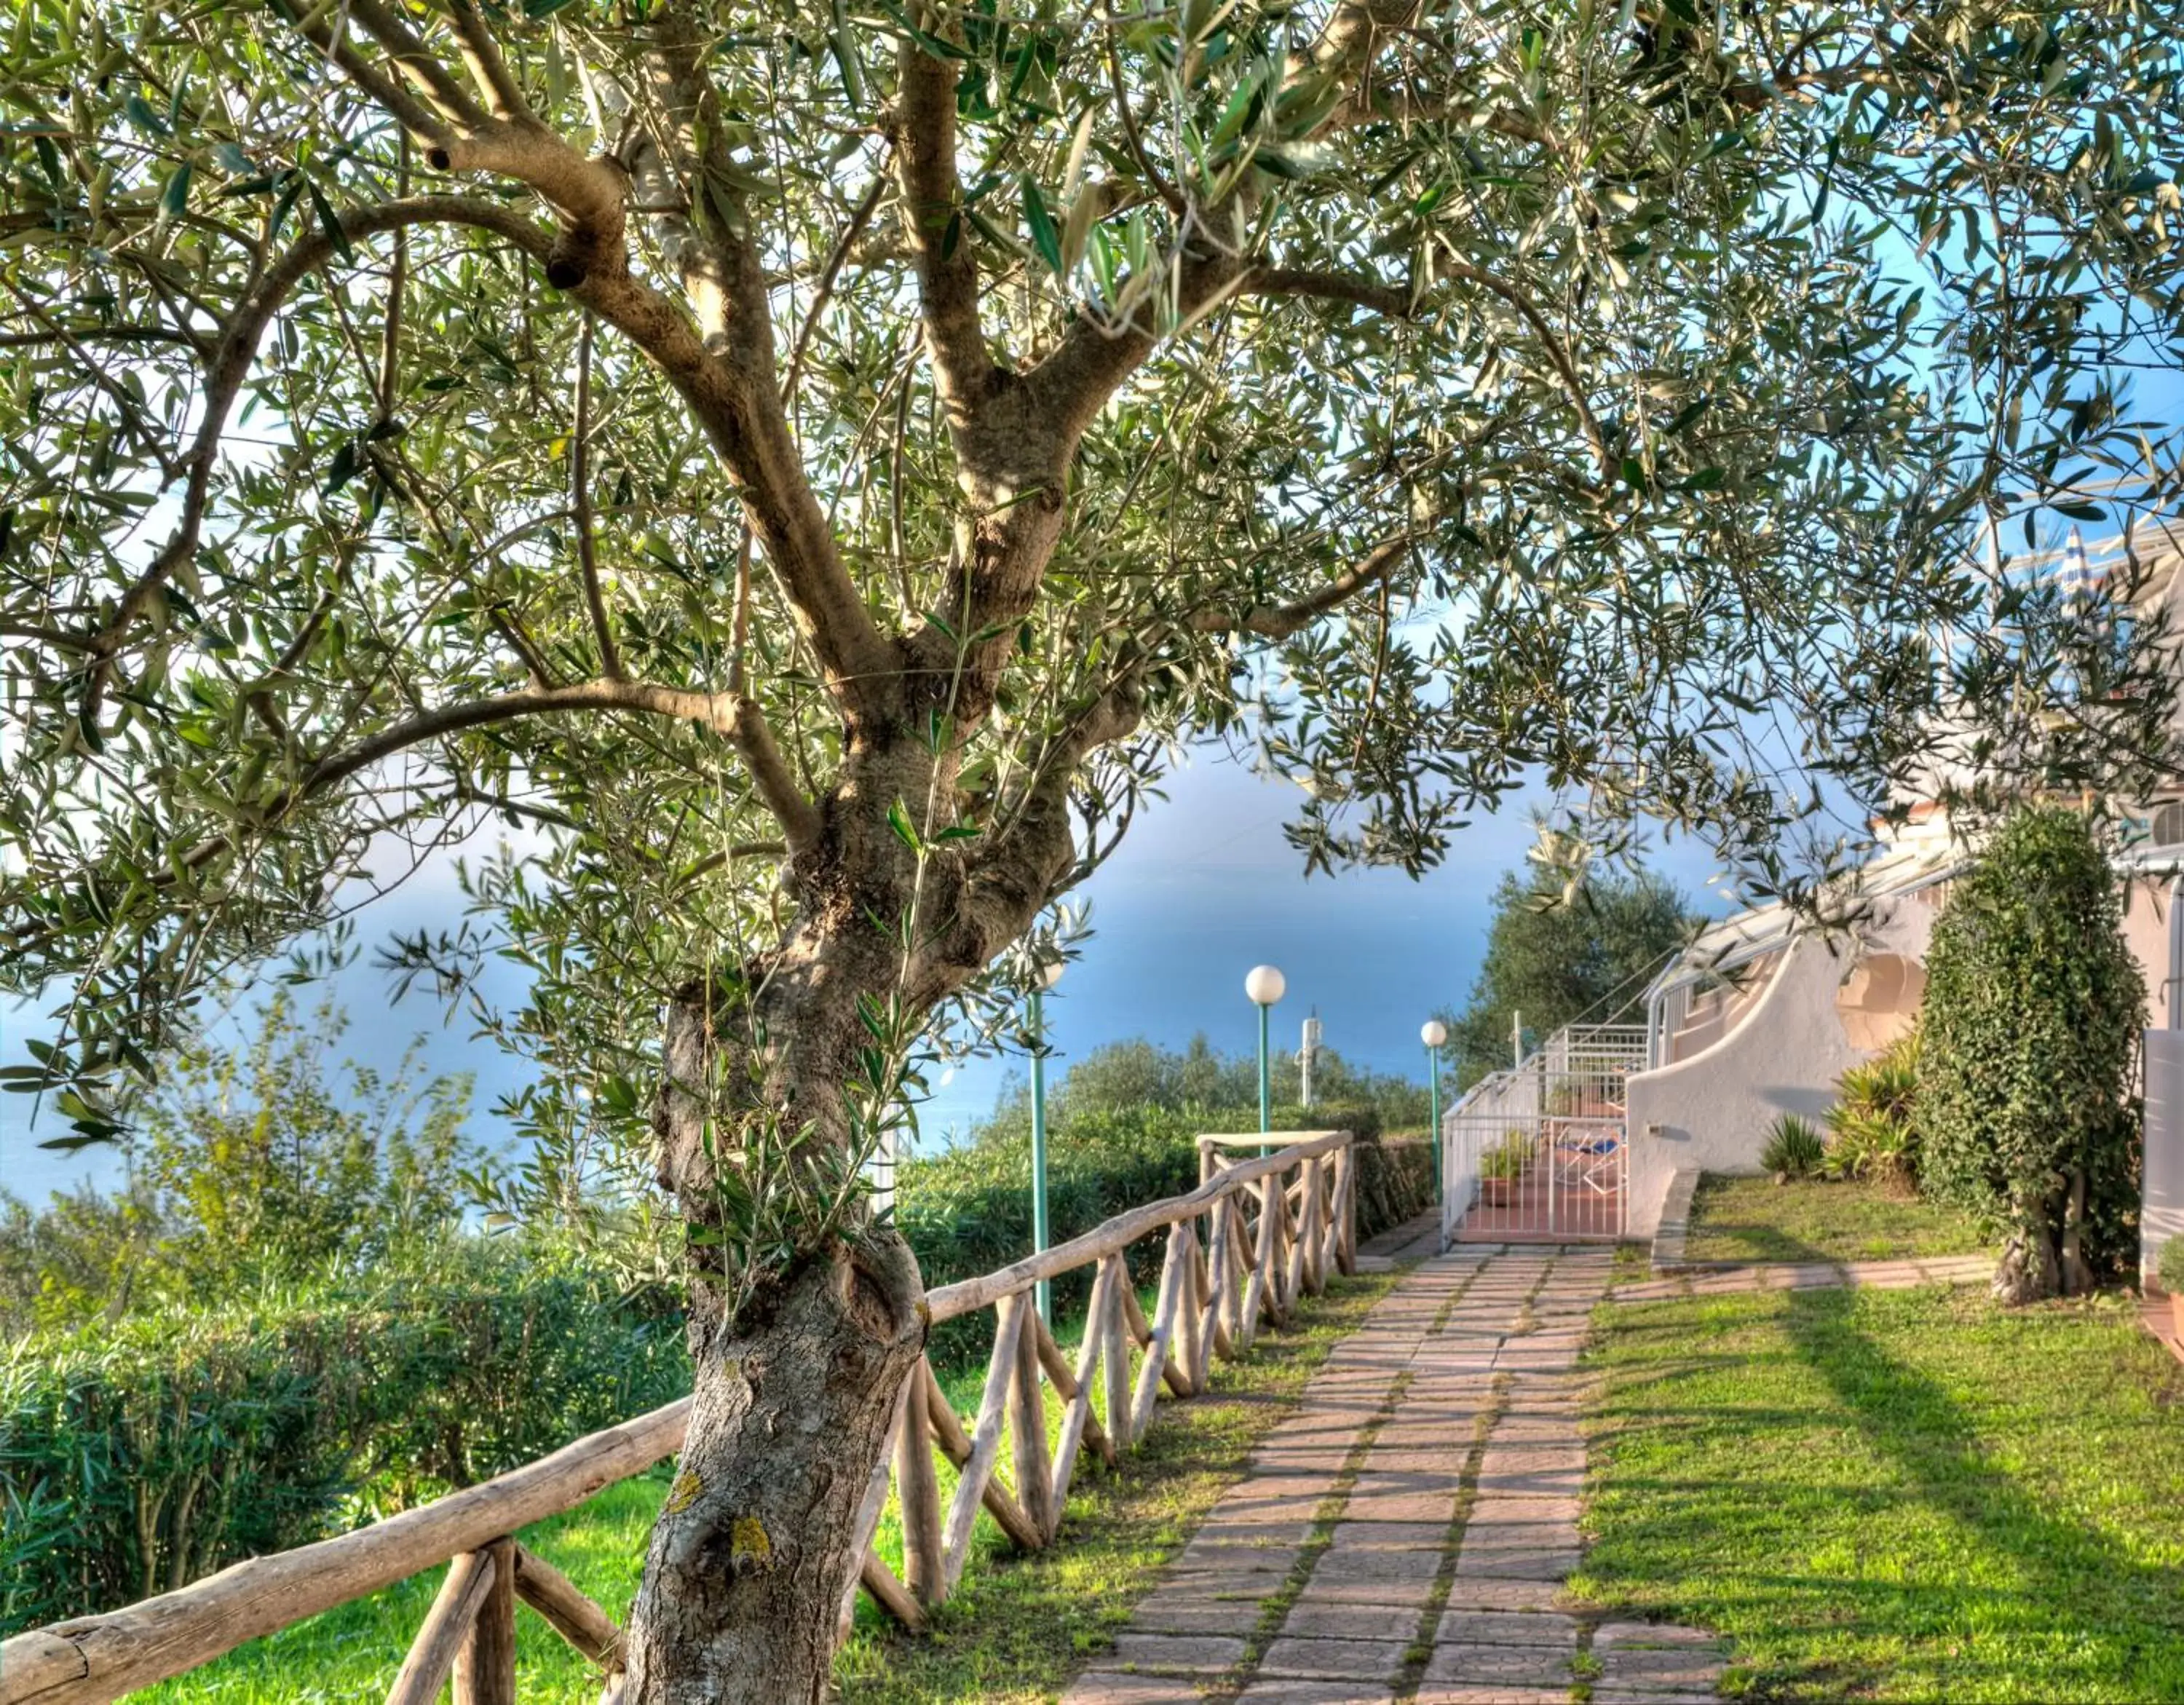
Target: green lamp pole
x=1264 y=986
x=1041 y=1235
x=1433 y=1032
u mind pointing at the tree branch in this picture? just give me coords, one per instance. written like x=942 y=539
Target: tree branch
x=738 y=721
x=1284 y=621
x=1328 y=285
x=231 y=367
x=580 y=504
x=939 y=238
x=732 y=389
x=488 y=69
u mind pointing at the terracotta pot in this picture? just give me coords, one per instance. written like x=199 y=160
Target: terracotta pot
x=1494 y=1192
x=2176 y=1313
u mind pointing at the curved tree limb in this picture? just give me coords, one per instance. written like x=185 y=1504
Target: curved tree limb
x=939 y=239
x=580 y=504
x=1284 y=621
x=231 y=367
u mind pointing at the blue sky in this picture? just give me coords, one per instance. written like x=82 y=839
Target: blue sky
x=1204 y=889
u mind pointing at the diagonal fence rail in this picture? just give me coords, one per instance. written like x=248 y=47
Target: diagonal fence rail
x=1260 y=1232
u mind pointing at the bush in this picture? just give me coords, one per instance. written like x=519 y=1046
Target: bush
x=1873 y=1123
x=256 y=1166
x=2032 y=1015
x=141 y=1455
x=1794 y=1148
x=2170 y=1267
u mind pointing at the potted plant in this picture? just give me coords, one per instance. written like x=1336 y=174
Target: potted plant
x=1501 y=1166
x=2171 y=1269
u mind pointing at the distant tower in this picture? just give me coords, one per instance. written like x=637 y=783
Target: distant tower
x=1306 y=1055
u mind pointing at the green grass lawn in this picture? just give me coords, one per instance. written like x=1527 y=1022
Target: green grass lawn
x=1757 y=1219
x=1895 y=1495
x=1016 y=1630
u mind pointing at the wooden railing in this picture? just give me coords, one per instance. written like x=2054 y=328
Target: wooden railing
x=1255 y=1235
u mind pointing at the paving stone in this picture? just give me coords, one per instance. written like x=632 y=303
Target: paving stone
x=1103 y=1688
x=1347 y=1536
x=1497 y=1509
x=1493 y=1593
x=1290 y=1690
x=1273 y=1498
x=1406 y=1593
x=1488 y=1693
x=1447 y=1459
x=1211 y=1558
x=1498 y=1537
x=1317 y=1618
x=1460 y=1664
x=1394 y=1504
x=1256 y=1530
x=1202 y=1654
x=1172 y=1609
x=1334 y=1660
x=1389 y=1576
x=1506 y=1628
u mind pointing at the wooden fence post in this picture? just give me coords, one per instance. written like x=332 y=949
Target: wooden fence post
x=1311 y=1216
x=1346 y=1205
x=917 y=1486
x=485 y=1665
x=432 y=1656
x=1027 y=1429
x=1114 y=1352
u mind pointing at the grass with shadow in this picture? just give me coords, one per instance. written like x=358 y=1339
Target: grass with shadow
x=1016 y=1629
x=1818 y=1219
x=1895 y=1495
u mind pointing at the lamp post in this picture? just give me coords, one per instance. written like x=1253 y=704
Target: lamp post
x=1048 y=977
x=1433 y=1032
x=1264 y=986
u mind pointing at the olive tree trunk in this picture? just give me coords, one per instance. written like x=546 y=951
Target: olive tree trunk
x=757 y=1543
x=796 y=1371
x=798 y=1363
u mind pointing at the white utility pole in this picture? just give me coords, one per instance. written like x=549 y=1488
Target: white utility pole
x=1305 y=1055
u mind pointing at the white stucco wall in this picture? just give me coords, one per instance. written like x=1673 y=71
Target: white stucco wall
x=2163 y=1216
x=1711 y=1110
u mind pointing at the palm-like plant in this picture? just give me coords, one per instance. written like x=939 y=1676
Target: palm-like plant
x=1872 y=1128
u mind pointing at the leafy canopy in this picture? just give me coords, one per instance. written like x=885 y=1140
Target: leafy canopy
x=806 y=466
x=1559 y=953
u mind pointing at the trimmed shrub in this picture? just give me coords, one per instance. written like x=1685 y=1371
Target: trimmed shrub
x=1794 y=1148
x=141 y=1455
x=2032 y=1015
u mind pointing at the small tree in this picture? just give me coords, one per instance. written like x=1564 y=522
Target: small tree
x=1557 y=956
x=817 y=464
x=2033 y=1010
x=258 y=1161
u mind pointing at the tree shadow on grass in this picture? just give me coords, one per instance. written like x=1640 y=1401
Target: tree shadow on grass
x=2073 y=1597
x=1882 y=1543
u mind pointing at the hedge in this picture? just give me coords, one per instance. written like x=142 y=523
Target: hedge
x=139 y=1455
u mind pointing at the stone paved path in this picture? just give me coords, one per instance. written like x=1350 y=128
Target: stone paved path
x=1404 y=1534
x=1722 y=1279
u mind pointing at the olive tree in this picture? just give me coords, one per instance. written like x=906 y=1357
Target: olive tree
x=813 y=465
